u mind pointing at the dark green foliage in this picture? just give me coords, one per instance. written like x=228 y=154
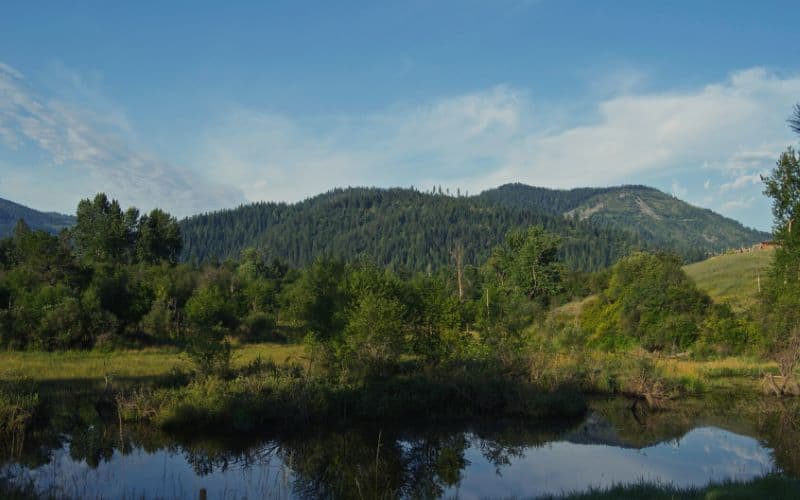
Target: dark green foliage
x=159 y=238
x=397 y=228
x=120 y=285
x=781 y=299
x=527 y=264
x=649 y=302
x=102 y=232
x=782 y=292
x=318 y=299
x=54 y=295
x=660 y=221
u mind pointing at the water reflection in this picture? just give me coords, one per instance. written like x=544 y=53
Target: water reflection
x=687 y=446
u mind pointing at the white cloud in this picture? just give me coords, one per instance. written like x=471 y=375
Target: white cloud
x=741 y=181
x=273 y=157
x=99 y=145
x=734 y=129
x=728 y=131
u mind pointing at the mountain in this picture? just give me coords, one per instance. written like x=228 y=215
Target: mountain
x=11 y=212
x=655 y=217
x=405 y=228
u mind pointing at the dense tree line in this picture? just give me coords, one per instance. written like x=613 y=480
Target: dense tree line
x=409 y=229
x=398 y=228
x=428 y=274
x=114 y=278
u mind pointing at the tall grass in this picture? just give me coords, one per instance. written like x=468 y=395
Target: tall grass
x=773 y=486
x=19 y=405
x=126 y=364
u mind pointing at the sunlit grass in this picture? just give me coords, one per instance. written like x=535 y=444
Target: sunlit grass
x=732 y=278
x=125 y=364
x=721 y=374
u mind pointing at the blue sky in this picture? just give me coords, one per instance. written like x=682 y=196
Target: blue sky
x=194 y=106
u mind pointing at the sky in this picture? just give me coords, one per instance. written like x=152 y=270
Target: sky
x=195 y=106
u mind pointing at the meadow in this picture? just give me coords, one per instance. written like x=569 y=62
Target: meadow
x=733 y=278
x=151 y=362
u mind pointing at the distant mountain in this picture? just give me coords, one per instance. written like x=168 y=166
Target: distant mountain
x=11 y=212
x=405 y=228
x=655 y=217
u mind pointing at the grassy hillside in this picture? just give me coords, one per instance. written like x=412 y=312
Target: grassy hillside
x=11 y=212
x=732 y=278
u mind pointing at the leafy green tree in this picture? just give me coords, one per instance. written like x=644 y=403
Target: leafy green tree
x=210 y=321
x=650 y=301
x=782 y=292
x=521 y=276
x=210 y=306
x=373 y=336
x=102 y=231
x=158 y=238
x=434 y=312
x=318 y=299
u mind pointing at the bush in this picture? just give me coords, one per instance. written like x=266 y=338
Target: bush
x=258 y=326
x=209 y=350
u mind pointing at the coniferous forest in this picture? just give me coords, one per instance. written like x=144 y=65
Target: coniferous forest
x=406 y=229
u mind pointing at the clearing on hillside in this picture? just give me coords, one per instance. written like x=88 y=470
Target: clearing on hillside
x=732 y=278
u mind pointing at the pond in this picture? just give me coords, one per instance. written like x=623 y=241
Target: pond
x=688 y=446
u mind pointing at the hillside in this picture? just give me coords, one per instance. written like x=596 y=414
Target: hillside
x=655 y=217
x=400 y=228
x=414 y=230
x=732 y=278
x=11 y=212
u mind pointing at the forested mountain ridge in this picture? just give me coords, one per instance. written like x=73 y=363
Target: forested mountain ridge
x=11 y=212
x=406 y=228
x=655 y=217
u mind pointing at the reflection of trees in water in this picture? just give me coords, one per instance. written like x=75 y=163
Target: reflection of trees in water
x=383 y=464
x=410 y=463
x=779 y=429
x=773 y=421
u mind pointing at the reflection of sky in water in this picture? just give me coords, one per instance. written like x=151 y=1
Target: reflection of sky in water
x=702 y=455
x=162 y=474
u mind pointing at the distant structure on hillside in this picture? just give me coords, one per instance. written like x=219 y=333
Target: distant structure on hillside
x=764 y=245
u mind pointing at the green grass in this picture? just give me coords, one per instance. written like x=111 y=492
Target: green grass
x=127 y=364
x=771 y=486
x=732 y=278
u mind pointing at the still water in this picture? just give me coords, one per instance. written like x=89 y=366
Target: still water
x=505 y=459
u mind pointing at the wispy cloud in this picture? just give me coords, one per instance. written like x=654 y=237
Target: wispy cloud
x=733 y=128
x=99 y=144
x=721 y=135
x=741 y=182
